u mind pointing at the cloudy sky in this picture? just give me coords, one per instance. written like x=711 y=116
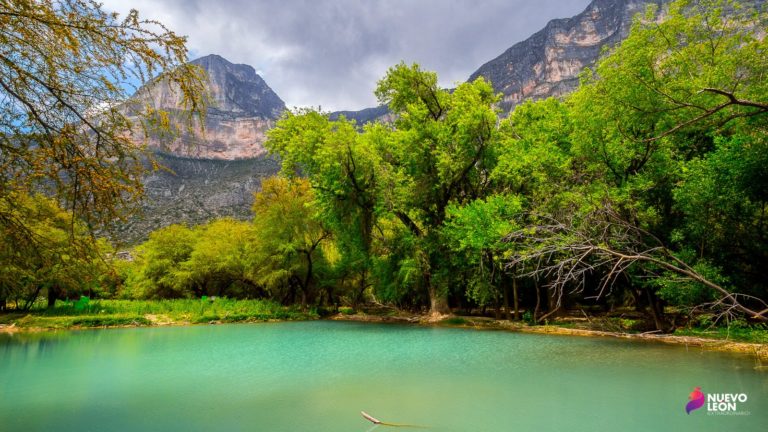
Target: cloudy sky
x=330 y=53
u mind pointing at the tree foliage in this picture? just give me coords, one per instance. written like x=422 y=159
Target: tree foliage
x=65 y=69
x=440 y=152
x=53 y=258
x=341 y=166
x=290 y=239
x=665 y=129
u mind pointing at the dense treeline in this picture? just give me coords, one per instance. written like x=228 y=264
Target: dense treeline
x=645 y=188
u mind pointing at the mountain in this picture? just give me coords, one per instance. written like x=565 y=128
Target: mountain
x=210 y=172
x=549 y=62
x=194 y=191
x=363 y=116
x=241 y=108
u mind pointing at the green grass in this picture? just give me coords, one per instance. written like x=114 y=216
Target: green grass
x=114 y=313
x=455 y=321
x=755 y=334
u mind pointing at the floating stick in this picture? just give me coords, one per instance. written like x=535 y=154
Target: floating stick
x=376 y=421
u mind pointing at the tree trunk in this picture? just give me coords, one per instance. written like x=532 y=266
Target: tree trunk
x=506 y=303
x=516 y=299
x=552 y=306
x=657 y=312
x=307 y=281
x=438 y=303
x=53 y=295
x=536 y=310
x=361 y=288
x=303 y=299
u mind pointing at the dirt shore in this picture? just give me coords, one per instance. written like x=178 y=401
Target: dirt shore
x=759 y=351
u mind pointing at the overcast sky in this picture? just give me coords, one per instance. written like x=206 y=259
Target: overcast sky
x=330 y=53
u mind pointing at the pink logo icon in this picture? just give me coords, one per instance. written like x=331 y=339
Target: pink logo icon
x=696 y=400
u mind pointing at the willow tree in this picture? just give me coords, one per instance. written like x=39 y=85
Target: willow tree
x=66 y=67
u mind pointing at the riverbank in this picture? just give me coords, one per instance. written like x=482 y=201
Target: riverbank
x=140 y=313
x=130 y=313
x=758 y=350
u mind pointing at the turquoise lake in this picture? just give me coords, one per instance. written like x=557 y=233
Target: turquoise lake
x=318 y=376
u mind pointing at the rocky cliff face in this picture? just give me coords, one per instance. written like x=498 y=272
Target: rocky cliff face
x=549 y=62
x=194 y=191
x=241 y=109
x=213 y=171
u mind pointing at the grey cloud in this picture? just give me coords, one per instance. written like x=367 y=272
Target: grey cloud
x=331 y=53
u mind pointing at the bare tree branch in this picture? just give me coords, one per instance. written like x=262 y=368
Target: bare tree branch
x=603 y=243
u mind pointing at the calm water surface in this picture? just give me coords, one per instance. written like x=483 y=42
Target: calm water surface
x=318 y=376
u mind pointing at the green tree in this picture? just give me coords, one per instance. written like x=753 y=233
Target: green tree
x=340 y=165
x=475 y=231
x=440 y=152
x=663 y=132
x=534 y=154
x=53 y=257
x=158 y=262
x=289 y=236
x=219 y=261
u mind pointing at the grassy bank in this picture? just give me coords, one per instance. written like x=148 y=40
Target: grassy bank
x=117 y=313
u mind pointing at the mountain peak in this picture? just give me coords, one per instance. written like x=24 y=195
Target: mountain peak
x=238 y=89
x=549 y=62
x=241 y=107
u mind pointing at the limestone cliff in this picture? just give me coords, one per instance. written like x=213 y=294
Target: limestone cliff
x=241 y=108
x=213 y=171
x=549 y=62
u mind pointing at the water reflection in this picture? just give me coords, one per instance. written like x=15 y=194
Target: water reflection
x=31 y=345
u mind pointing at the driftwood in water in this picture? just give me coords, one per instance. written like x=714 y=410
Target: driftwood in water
x=376 y=421
x=370 y=418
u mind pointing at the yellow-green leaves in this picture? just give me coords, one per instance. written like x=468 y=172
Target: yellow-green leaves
x=65 y=67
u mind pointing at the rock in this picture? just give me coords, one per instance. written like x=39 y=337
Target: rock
x=212 y=171
x=241 y=108
x=194 y=191
x=367 y=115
x=549 y=62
